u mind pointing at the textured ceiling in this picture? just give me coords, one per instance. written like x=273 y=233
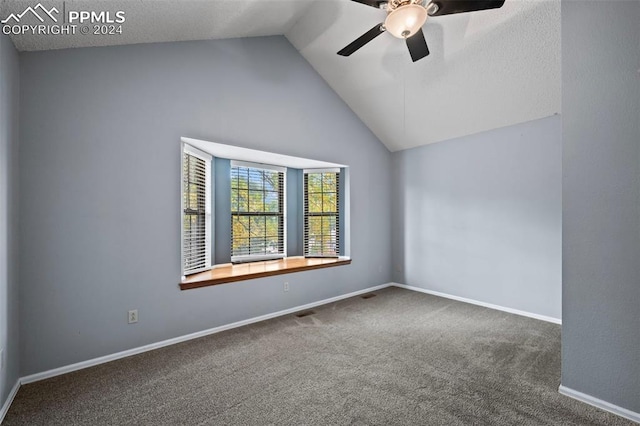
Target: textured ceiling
x=149 y=21
x=486 y=70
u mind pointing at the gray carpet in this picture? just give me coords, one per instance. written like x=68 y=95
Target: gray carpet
x=399 y=358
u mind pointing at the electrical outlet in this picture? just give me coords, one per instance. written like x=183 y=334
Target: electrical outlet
x=286 y=286
x=133 y=316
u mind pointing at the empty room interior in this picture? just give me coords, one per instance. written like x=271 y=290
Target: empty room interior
x=318 y=212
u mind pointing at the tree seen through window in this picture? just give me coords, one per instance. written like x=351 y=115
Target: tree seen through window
x=257 y=212
x=321 y=214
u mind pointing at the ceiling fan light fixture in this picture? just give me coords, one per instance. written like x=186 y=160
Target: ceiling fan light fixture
x=406 y=20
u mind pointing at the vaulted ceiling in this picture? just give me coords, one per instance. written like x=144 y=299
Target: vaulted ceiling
x=486 y=69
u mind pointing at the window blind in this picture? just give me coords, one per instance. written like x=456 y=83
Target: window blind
x=322 y=213
x=257 y=212
x=196 y=211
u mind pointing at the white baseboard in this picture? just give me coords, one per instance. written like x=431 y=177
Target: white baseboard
x=108 y=358
x=598 y=403
x=479 y=303
x=7 y=403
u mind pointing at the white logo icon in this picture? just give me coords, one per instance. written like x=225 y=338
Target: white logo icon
x=39 y=6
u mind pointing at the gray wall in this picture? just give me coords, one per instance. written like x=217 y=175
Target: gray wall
x=9 y=330
x=221 y=211
x=295 y=223
x=601 y=200
x=100 y=187
x=480 y=217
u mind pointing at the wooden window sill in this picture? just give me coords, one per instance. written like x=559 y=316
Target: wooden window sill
x=227 y=273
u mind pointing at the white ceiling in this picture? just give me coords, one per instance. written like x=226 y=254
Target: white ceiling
x=149 y=21
x=486 y=70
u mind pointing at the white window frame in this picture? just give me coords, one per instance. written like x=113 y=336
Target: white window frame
x=255 y=258
x=208 y=159
x=340 y=215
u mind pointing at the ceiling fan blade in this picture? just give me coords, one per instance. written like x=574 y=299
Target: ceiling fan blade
x=362 y=40
x=417 y=46
x=448 y=7
x=372 y=3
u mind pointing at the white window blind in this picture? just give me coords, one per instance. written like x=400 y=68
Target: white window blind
x=196 y=210
x=322 y=213
x=257 y=212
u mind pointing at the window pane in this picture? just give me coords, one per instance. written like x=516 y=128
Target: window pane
x=315 y=202
x=315 y=246
x=329 y=246
x=234 y=177
x=271 y=181
x=273 y=245
x=256 y=201
x=191 y=229
x=240 y=227
x=241 y=246
x=314 y=227
x=314 y=182
x=271 y=202
x=329 y=202
x=193 y=196
x=329 y=225
x=329 y=182
x=242 y=202
x=257 y=227
x=243 y=178
x=255 y=179
x=258 y=246
x=272 y=226
x=234 y=200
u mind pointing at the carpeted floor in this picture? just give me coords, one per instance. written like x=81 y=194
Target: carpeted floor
x=400 y=358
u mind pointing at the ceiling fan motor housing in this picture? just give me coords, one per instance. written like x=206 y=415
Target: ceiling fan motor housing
x=405 y=20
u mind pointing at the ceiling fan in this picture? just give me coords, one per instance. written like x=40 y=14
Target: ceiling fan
x=405 y=19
